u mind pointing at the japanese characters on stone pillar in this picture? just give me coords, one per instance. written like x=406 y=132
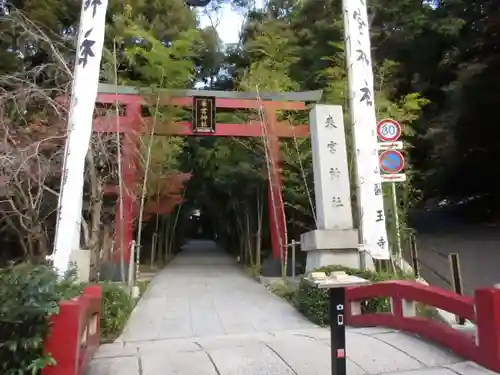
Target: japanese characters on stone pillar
x=331 y=173
x=83 y=96
x=335 y=241
x=363 y=117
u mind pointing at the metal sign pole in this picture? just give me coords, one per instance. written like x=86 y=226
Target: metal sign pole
x=336 y=283
x=337 y=331
x=456 y=278
x=392 y=163
x=414 y=255
x=397 y=226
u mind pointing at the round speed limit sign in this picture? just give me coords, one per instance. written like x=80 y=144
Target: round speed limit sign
x=388 y=130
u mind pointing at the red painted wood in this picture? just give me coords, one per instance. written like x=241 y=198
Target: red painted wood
x=275 y=200
x=67 y=346
x=251 y=129
x=75 y=333
x=63 y=339
x=488 y=326
x=132 y=124
x=188 y=101
x=432 y=296
x=130 y=167
x=107 y=124
x=127 y=221
x=484 y=310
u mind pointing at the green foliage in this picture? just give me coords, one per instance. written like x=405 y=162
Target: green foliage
x=30 y=296
x=281 y=289
x=156 y=63
x=117 y=305
x=436 y=72
x=252 y=271
x=313 y=302
x=142 y=285
x=272 y=56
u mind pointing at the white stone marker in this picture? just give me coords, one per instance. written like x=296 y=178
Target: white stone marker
x=335 y=241
x=331 y=172
x=83 y=96
x=363 y=117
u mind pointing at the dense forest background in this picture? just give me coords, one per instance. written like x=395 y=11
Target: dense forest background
x=437 y=72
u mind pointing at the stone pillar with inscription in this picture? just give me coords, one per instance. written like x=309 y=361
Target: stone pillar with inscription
x=371 y=212
x=335 y=241
x=84 y=92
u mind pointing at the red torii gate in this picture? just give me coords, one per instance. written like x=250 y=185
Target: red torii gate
x=132 y=123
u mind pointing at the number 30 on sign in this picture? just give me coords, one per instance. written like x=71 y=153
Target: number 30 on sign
x=388 y=130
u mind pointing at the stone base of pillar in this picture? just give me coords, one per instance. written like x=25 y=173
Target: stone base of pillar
x=81 y=260
x=111 y=271
x=272 y=267
x=328 y=247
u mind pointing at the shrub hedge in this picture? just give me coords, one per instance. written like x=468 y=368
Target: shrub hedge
x=117 y=304
x=313 y=302
x=29 y=296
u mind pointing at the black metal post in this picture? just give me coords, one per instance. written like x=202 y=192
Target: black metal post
x=456 y=278
x=337 y=331
x=414 y=255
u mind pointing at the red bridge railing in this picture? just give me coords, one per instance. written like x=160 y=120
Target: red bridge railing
x=483 y=310
x=75 y=333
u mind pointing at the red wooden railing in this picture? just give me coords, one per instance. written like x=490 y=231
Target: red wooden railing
x=483 y=310
x=75 y=333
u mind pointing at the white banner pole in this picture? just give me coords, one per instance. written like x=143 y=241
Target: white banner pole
x=363 y=116
x=84 y=92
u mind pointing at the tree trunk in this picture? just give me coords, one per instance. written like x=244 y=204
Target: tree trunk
x=258 y=235
x=249 y=246
x=241 y=241
x=95 y=208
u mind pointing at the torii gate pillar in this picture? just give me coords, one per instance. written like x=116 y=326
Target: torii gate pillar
x=132 y=125
x=277 y=224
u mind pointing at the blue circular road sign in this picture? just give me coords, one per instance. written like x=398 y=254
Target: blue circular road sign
x=391 y=161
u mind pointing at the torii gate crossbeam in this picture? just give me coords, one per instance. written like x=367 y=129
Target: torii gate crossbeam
x=132 y=124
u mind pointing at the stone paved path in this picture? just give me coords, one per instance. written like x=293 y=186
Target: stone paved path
x=203 y=316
